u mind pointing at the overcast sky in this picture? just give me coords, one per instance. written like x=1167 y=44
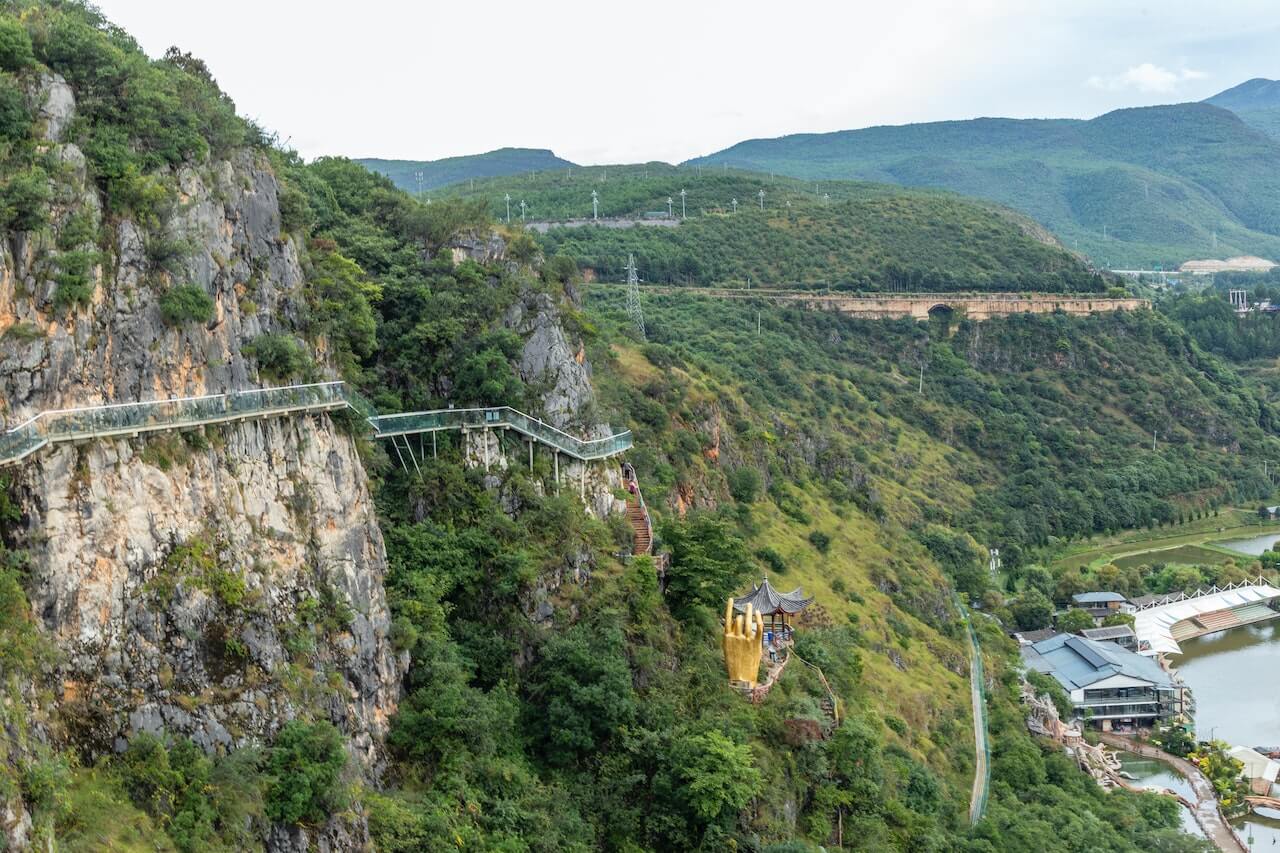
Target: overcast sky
x=600 y=81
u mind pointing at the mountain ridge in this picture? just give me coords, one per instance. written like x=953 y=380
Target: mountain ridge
x=448 y=170
x=1141 y=185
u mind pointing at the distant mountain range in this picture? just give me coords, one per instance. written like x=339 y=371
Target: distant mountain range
x=451 y=170
x=1134 y=188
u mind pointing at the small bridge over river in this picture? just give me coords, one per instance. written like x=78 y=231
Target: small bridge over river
x=182 y=413
x=919 y=306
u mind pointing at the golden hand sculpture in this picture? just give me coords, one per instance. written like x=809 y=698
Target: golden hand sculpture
x=743 y=644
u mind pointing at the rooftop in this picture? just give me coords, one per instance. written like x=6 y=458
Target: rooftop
x=1077 y=662
x=1114 y=632
x=765 y=599
x=1097 y=597
x=1036 y=635
x=1154 y=626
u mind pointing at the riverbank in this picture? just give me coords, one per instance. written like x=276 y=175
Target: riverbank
x=1230 y=523
x=1233 y=703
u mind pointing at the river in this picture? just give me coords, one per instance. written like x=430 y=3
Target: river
x=1232 y=675
x=1254 y=545
x=1152 y=773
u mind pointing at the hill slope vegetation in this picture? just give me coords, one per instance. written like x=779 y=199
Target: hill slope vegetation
x=839 y=234
x=1131 y=188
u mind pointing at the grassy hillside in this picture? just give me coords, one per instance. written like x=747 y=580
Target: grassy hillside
x=841 y=234
x=1160 y=180
x=438 y=173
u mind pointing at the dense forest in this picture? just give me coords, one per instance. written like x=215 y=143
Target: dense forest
x=837 y=234
x=867 y=462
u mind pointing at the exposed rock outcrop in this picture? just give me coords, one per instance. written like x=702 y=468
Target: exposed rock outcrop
x=215 y=584
x=549 y=363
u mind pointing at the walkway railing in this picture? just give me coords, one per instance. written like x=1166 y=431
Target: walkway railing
x=1201 y=593
x=386 y=426
x=113 y=419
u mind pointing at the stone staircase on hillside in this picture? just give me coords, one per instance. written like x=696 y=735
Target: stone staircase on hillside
x=638 y=515
x=642 y=524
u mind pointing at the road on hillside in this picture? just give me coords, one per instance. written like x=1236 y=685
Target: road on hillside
x=982 y=749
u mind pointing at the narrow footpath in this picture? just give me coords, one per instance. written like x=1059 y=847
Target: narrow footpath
x=1206 y=810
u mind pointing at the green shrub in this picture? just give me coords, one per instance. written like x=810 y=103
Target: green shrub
x=186 y=303
x=15 y=46
x=15 y=118
x=305 y=767
x=773 y=560
x=24 y=200
x=279 y=355
x=77 y=230
x=23 y=333
x=75 y=286
x=820 y=540
x=744 y=484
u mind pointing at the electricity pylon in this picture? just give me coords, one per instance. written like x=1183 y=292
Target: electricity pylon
x=634 y=311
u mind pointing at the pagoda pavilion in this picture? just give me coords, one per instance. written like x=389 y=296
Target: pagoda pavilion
x=777 y=606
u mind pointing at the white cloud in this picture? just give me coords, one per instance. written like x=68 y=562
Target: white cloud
x=1147 y=77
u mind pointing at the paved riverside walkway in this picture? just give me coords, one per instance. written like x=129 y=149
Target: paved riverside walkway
x=1206 y=810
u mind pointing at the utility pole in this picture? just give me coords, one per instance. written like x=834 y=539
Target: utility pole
x=508 y=200
x=826 y=198
x=418 y=177
x=522 y=210
x=634 y=311
x=1104 y=231
x=595 y=205
x=682 y=202
x=669 y=203
x=734 y=202
x=760 y=195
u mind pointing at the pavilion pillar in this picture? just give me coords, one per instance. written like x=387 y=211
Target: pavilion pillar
x=530 y=456
x=557 y=473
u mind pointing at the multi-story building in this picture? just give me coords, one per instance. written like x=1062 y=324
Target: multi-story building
x=1109 y=685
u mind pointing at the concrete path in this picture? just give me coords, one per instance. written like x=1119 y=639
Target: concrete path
x=1206 y=810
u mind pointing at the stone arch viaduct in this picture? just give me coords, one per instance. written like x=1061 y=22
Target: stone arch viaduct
x=919 y=306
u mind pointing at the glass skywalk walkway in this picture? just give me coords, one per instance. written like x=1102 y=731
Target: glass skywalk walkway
x=94 y=422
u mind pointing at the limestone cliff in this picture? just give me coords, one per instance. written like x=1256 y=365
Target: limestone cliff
x=214 y=584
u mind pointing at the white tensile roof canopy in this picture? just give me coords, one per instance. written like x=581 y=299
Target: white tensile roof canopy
x=1154 y=626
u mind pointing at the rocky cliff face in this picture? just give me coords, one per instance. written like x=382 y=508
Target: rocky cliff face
x=213 y=584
